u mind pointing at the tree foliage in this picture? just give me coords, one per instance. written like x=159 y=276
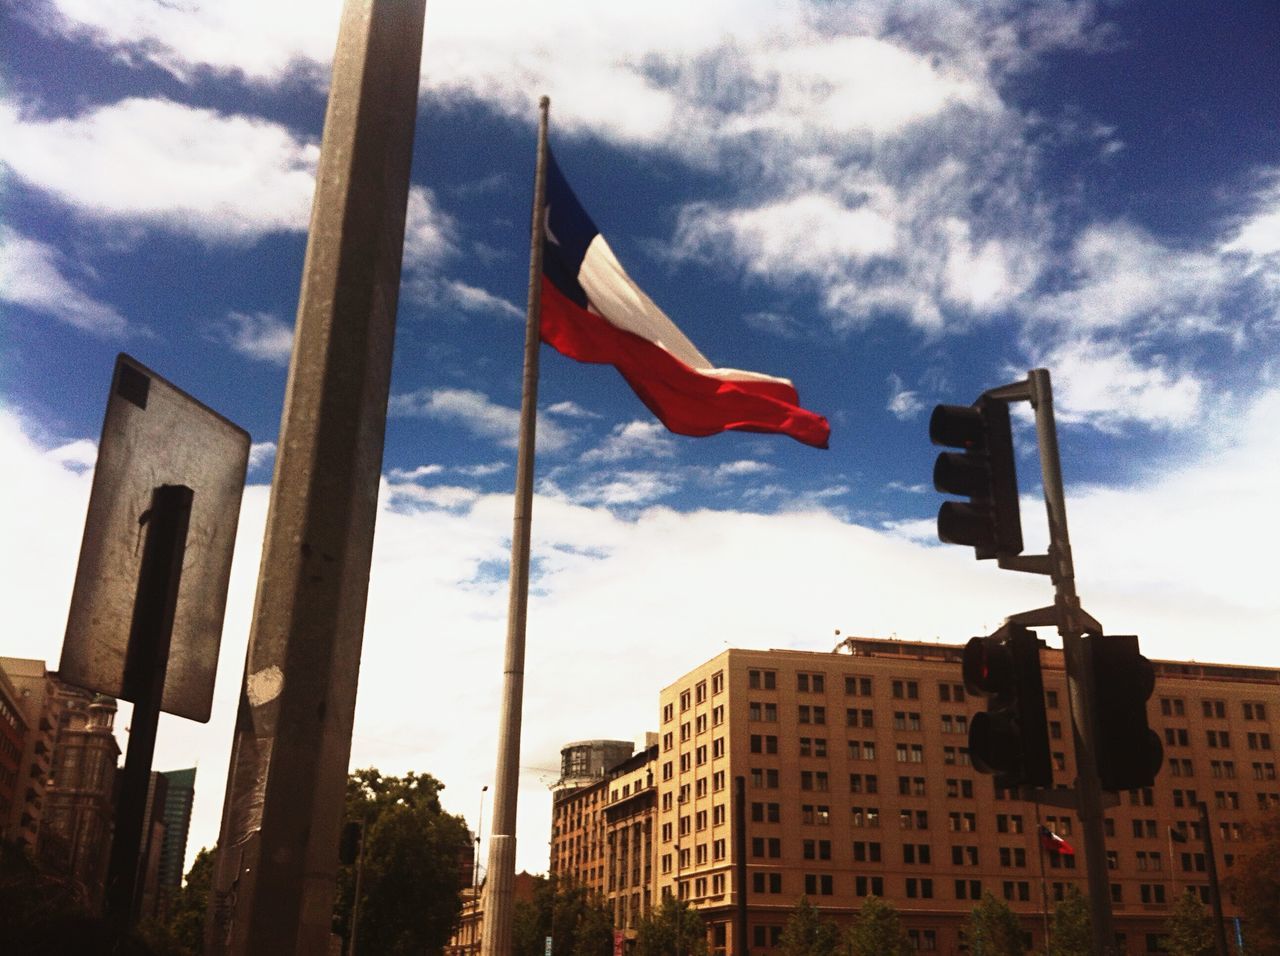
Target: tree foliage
x=671 y=928
x=1189 y=927
x=1070 y=934
x=877 y=931
x=993 y=929
x=809 y=933
x=1255 y=885
x=578 y=922
x=412 y=865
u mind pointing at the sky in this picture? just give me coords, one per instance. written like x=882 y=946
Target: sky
x=893 y=204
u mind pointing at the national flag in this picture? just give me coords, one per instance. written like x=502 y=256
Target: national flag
x=593 y=312
x=1054 y=843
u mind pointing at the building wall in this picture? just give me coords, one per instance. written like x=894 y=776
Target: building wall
x=180 y=794
x=906 y=817
x=35 y=691
x=13 y=738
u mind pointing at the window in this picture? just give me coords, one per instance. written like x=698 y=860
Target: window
x=1226 y=799
x=717 y=747
x=1148 y=860
x=685 y=701
x=766 y=936
x=911 y=786
x=717 y=815
x=968 y=889
x=857 y=686
x=1176 y=737
x=668 y=713
x=1173 y=707
x=864 y=816
x=1218 y=738
x=818 y=884
x=1008 y=823
x=1223 y=769
x=762 y=777
x=1016 y=890
x=766 y=882
x=815 y=814
x=863 y=783
x=1214 y=708
x=962 y=822
x=1144 y=829
x=913 y=819
x=717 y=682
x=1051 y=699
x=766 y=812
x=959 y=788
x=1013 y=856
x=700 y=724
x=1258 y=741
x=913 y=853
x=868 y=886
x=766 y=847
x=762 y=680
x=919 y=888
x=700 y=692
x=866 y=852
x=905 y=689
x=814 y=780
x=812 y=715
x=1264 y=771
x=862 y=750
x=717 y=715
x=700 y=755
x=853 y=717
x=1152 y=893
x=1254 y=710
x=764 y=744
x=762 y=711
x=951 y=693
x=1180 y=766
x=717 y=781
x=811 y=683
x=816 y=849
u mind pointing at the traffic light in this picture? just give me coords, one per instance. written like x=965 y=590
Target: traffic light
x=984 y=473
x=349 y=844
x=1011 y=739
x=1129 y=752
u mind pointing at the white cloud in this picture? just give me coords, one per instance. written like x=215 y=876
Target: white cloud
x=261 y=455
x=162 y=163
x=1106 y=386
x=472 y=410
x=743 y=468
x=636 y=439
x=428 y=230
x=31 y=276
x=259 y=335
x=904 y=404
x=571 y=410
x=78 y=455
x=469 y=298
x=413 y=474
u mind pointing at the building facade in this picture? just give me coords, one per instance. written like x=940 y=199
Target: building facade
x=36 y=698
x=858 y=783
x=13 y=739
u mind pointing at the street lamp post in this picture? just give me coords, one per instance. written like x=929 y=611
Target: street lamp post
x=475 y=863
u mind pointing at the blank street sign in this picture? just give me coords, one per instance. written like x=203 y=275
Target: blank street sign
x=155 y=434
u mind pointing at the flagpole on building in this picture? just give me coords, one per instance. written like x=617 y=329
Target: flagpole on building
x=500 y=880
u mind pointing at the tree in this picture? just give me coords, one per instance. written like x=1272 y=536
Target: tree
x=1255 y=885
x=412 y=857
x=877 y=931
x=672 y=928
x=993 y=929
x=809 y=933
x=1071 y=934
x=1189 y=927
x=579 y=923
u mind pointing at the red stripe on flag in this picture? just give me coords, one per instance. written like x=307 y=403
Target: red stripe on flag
x=684 y=400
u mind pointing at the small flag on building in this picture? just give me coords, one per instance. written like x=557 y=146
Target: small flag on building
x=1054 y=843
x=592 y=311
x=1177 y=834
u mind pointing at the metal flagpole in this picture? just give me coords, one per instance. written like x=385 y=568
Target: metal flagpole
x=500 y=878
x=1044 y=886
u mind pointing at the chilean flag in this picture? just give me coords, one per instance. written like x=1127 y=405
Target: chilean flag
x=1054 y=843
x=593 y=312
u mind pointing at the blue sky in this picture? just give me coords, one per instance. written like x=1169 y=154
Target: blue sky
x=894 y=204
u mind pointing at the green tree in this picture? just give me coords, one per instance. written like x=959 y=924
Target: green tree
x=1190 y=928
x=877 y=931
x=809 y=933
x=993 y=929
x=671 y=928
x=578 y=922
x=1070 y=934
x=1255 y=885
x=413 y=850
x=181 y=933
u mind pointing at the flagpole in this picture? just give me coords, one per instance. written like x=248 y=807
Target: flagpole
x=1044 y=887
x=497 y=910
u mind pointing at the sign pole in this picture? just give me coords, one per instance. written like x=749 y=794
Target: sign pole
x=274 y=878
x=148 y=658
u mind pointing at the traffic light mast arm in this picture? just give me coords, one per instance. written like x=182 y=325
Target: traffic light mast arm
x=1072 y=624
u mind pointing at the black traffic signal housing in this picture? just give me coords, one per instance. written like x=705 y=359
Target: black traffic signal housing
x=349 y=843
x=1128 y=751
x=983 y=472
x=1011 y=739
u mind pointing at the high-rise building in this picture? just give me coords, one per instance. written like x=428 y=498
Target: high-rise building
x=180 y=794
x=13 y=738
x=858 y=783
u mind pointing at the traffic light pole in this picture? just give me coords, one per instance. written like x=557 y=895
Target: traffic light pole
x=1072 y=623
